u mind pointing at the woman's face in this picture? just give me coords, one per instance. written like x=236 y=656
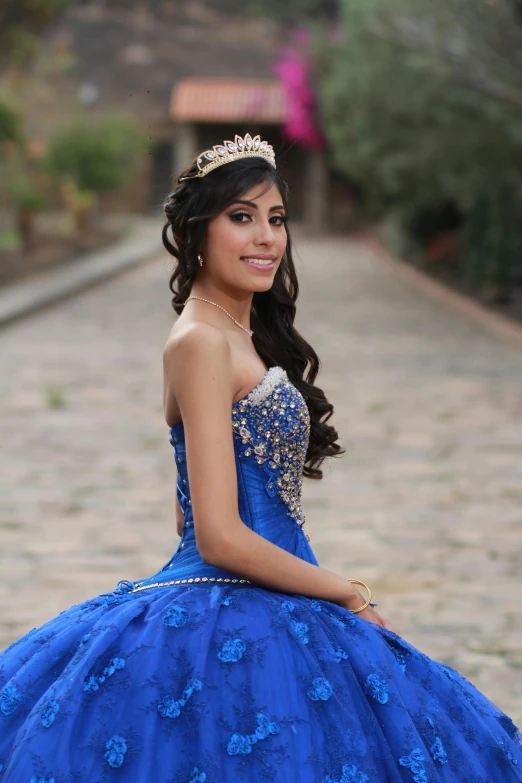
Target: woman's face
x=245 y=243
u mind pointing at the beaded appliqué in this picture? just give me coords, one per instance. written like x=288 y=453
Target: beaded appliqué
x=273 y=424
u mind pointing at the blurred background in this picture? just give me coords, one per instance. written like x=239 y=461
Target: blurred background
x=402 y=115
x=398 y=126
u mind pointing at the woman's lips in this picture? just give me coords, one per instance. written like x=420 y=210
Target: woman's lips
x=260 y=263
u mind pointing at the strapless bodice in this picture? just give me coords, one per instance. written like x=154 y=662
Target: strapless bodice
x=271 y=430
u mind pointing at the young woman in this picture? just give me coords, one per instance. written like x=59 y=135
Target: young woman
x=241 y=659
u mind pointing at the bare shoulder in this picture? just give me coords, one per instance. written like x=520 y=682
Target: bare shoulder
x=198 y=355
x=196 y=343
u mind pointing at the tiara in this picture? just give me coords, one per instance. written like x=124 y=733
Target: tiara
x=229 y=151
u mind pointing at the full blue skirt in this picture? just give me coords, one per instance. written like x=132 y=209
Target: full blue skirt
x=220 y=683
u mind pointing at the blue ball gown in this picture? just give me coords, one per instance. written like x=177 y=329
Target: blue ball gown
x=195 y=675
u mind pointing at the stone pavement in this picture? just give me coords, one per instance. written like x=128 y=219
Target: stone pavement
x=52 y=285
x=425 y=506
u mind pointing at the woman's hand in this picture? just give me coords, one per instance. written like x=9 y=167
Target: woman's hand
x=372 y=615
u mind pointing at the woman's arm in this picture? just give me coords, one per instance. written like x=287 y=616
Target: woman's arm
x=199 y=373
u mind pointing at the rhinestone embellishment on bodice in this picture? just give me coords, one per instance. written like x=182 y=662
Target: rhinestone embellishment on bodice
x=273 y=425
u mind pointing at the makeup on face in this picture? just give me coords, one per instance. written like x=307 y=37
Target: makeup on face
x=261 y=262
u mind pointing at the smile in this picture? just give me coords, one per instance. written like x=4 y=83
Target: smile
x=259 y=263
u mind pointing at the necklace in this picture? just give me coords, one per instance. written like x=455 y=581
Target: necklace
x=250 y=332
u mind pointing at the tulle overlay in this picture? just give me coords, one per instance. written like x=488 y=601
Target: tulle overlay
x=223 y=682
x=210 y=681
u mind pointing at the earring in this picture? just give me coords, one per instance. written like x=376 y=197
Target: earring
x=200 y=261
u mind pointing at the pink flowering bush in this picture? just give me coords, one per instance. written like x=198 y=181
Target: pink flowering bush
x=294 y=72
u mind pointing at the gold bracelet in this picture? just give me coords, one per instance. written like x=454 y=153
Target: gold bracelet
x=358 y=582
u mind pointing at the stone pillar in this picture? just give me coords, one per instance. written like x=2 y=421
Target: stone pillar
x=185 y=146
x=316 y=192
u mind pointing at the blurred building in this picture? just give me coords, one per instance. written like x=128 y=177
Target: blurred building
x=206 y=111
x=193 y=79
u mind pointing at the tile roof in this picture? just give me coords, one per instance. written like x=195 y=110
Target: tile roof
x=228 y=100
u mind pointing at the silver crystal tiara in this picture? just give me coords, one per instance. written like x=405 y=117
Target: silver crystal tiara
x=229 y=151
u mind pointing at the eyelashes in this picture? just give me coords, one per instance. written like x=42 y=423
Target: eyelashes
x=240 y=213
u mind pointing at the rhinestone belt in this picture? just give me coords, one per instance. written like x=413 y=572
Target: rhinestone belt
x=138 y=586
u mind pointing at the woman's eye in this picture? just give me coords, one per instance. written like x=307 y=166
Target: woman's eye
x=237 y=218
x=281 y=218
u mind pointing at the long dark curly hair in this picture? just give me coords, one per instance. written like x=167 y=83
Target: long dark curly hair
x=189 y=208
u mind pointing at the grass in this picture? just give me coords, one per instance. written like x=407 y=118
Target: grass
x=55 y=397
x=10 y=239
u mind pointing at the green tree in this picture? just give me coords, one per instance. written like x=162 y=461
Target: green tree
x=88 y=159
x=10 y=127
x=20 y=23
x=423 y=101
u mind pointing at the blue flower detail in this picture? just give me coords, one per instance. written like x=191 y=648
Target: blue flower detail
x=240 y=745
x=232 y=651
x=9 y=699
x=176 y=617
x=413 y=762
x=226 y=601
x=49 y=713
x=42 y=780
x=438 y=752
x=115 y=750
x=321 y=690
x=196 y=776
x=301 y=630
x=265 y=727
x=115 y=664
x=92 y=683
x=377 y=688
x=350 y=775
x=316 y=606
x=340 y=654
x=169 y=707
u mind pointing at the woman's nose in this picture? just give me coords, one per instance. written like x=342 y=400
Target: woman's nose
x=266 y=234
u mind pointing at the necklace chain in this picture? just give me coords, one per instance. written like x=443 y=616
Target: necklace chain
x=249 y=331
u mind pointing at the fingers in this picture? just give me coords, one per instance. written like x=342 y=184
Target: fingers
x=383 y=621
x=374 y=616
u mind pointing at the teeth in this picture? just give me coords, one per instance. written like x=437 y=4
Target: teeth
x=261 y=261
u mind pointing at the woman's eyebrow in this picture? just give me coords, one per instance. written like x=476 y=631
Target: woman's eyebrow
x=254 y=206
